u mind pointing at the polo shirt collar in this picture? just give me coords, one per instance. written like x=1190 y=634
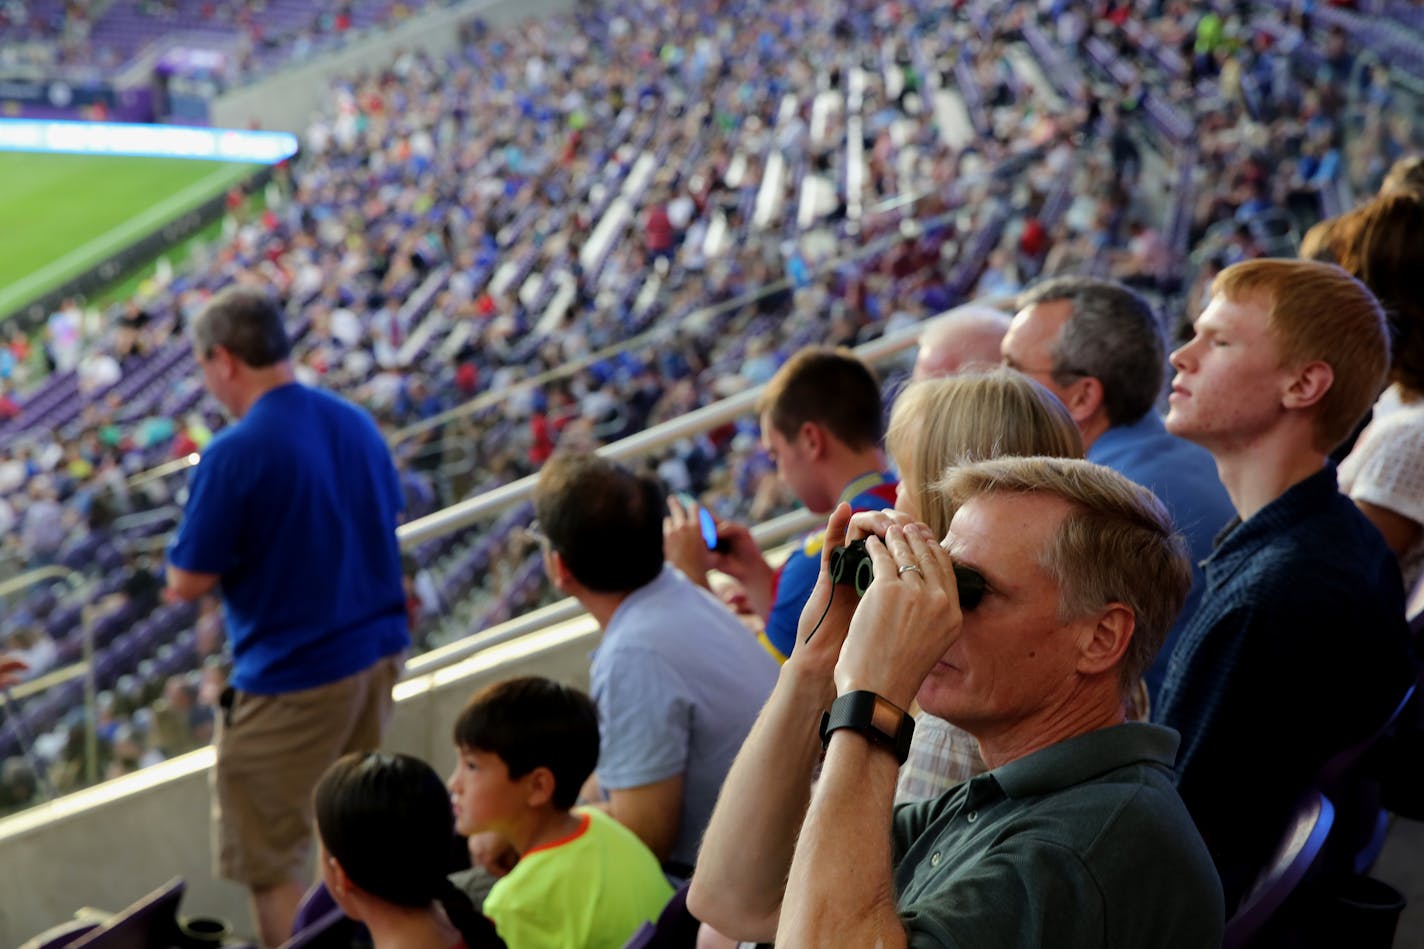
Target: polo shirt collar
x=1087 y=756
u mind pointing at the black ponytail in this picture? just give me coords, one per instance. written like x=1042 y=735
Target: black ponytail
x=475 y=927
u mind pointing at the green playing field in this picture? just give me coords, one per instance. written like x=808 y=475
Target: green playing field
x=61 y=214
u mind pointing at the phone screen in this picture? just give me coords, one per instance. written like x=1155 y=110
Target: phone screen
x=709 y=528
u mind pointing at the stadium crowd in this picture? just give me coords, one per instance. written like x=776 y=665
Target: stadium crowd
x=622 y=216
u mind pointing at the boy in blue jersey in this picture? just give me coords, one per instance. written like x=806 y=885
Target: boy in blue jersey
x=822 y=425
x=292 y=513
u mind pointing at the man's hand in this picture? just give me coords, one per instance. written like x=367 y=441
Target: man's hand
x=743 y=562
x=821 y=630
x=10 y=670
x=683 y=544
x=907 y=619
x=491 y=851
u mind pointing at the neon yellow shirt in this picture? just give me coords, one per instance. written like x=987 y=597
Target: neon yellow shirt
x=591 y=890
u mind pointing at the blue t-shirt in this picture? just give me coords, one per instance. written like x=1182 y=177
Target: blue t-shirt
x=1184 y=478
x=797 y=576
x=678 y=681
x=295 y=508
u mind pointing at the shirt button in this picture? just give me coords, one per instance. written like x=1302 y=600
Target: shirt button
x=972 y=816
x=934 y=859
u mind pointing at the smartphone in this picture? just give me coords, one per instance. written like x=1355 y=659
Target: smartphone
x=709 y=531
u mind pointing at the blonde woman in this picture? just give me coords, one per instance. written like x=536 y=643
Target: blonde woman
x=935 y=425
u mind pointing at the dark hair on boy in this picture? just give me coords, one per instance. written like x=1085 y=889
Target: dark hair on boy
x=831 y=387
x=386 y=819
x=604 y=521
x=533 y=722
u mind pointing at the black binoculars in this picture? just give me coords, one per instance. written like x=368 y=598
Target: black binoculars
x=850 y=565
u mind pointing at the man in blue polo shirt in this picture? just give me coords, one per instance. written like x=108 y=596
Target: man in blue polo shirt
x=292 y=514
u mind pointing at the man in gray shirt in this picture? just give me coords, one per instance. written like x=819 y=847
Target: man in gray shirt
x=1074 y=837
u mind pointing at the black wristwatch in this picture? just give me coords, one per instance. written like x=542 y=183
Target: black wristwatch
x=875 y=717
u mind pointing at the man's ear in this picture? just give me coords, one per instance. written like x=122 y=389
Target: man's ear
x=222 y=357
x=1103 y=644
x=1084 y=398
x=813 y=439
x=557 y=570
x=1309 y=386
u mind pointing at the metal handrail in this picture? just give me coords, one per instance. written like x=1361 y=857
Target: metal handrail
x=39 y=575
x=163 y=470
x=475 y=509
x=767 y=534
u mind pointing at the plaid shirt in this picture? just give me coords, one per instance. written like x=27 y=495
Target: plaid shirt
x=941 y=756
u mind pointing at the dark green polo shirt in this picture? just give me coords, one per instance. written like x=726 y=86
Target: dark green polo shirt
x=1084 y=843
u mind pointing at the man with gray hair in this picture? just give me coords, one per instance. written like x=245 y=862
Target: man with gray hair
x=292 y=512
x=1097 y=346
x=1074 y=837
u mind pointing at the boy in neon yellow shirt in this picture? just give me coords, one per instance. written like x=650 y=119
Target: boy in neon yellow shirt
x=583 y=881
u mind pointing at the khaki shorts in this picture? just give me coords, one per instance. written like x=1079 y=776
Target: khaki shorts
x=271 y=751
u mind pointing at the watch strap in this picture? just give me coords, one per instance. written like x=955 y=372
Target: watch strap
x=877 y=718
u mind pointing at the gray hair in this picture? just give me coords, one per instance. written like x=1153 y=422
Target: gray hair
x=1112 y=336
x=247 y=323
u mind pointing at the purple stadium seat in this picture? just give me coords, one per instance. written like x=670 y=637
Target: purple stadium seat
x=320 y=923
x=58 y=937
x=1301 y=845
x=152 y=921
x=675 y=928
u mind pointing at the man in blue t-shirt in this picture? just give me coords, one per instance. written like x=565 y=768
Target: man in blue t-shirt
x=292 y=515
x=822 y=424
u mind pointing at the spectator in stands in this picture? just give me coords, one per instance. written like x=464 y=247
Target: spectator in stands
x=821 y=424
x=677 y=679
x=1075 y=838
x=1098 y=347
x=12 y=670
x=1300 y=634
x=526 y=746
x=963 y=338
x=294 y=510
x=385 y=827
x=1382 y=472
x=43 y=526
x=935 y=425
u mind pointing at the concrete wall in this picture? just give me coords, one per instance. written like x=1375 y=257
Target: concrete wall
x=286 y=101
x=109 y=845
